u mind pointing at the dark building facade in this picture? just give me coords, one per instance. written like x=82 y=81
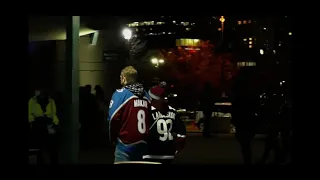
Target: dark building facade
x=261 y=42
x=251 y=39
x=162 y=31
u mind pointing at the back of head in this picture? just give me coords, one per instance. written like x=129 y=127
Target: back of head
x=130 y=73
x=245 y=84
x=88 y=88
x=81 y=89
x=158 y=94
x=98 y=88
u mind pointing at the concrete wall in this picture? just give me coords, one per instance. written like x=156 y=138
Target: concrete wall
x=40 y=65
x=92 y=69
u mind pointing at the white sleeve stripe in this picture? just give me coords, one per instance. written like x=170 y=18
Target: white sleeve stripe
x=121 y=106
x=182 y=136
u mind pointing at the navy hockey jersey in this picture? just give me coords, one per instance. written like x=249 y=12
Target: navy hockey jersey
x=165 y=130
x=128 y=115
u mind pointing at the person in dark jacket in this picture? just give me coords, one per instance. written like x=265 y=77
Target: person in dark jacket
x=88 y=117
x=206 y=105
x=245 y=102
x=100 y=135
x=272 y=115
x=278 y=112
x=99 y=93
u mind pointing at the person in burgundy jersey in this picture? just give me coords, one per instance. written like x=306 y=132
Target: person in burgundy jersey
x=128 y=117
x=167 y=132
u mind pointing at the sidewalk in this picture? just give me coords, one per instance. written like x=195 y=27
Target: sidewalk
x=219 y=149
x=257 y=136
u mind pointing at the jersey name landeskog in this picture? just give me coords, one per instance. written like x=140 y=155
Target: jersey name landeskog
x=158 y=115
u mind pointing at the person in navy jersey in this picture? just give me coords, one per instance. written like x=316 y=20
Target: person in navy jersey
x=167 y=133
x=128 y=117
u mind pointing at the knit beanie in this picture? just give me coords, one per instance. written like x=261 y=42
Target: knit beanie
x=158 y=92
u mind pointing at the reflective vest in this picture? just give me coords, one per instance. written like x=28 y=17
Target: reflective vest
x=34 y=110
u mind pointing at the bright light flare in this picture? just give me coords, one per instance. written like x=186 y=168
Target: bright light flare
x=154 y=60
x=261 y=51
x=222 y=19
x=127 y=33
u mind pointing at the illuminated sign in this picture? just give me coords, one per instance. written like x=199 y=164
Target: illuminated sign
x=188 y=42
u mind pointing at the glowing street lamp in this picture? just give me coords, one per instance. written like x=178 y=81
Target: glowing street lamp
x=157 y=62
x=127 y=33
x=154 y=60
x=222 y=20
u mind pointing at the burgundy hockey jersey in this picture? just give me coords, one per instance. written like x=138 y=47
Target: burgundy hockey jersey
x=128 y=115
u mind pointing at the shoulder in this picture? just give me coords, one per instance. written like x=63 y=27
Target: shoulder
x=120 y=93
x=32 y=99
x=119 y=97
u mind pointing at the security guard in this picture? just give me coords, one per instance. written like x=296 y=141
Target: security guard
x=43 y=119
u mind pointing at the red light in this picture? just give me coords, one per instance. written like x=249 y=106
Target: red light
x=172 y=86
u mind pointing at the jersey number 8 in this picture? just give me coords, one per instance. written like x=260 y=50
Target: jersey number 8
x=162 y=128
x=141 y=116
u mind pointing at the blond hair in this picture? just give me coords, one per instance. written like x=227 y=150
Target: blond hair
x=130 y=73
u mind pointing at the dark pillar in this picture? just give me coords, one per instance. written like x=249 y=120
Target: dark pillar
x=71 y=125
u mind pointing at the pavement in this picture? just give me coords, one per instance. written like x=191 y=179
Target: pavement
x=219 y=149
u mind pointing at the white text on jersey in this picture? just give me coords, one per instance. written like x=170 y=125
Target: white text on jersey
x=140 y=103
x=158 y=115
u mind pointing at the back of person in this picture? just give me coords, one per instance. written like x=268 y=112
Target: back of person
x=167 y=131
x=129 y=118
x=286 y=114
x=273 y=110
x=245 y=101
x=134 y=111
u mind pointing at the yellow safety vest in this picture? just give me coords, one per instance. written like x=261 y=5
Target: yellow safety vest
x=34 y=110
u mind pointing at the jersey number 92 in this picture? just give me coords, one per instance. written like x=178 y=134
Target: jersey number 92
x=164 y=128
